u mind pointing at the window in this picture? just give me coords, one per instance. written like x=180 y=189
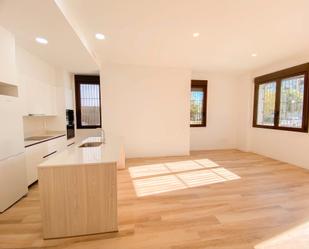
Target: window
x=198 y=103
x=266 y=104
x=281 y=100
x=88 y=101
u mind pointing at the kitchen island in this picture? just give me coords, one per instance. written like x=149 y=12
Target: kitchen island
x=78 y=189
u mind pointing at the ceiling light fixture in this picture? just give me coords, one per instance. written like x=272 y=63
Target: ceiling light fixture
x=100 y=36
x=196 y=35
x=41 y=40
x=254 y=55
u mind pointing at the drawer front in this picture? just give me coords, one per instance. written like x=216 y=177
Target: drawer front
x=52 y=146
x=57 y=144
x=34 y=156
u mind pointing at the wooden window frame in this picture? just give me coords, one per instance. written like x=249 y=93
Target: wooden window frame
x=278 y=77
x=85 y=79
x=201 y=84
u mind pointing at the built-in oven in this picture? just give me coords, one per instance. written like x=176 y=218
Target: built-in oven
x=70 y=124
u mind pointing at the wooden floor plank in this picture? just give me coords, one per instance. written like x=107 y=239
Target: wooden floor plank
x=242 y=201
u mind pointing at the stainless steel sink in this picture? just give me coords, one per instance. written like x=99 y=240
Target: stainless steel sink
x=90 y=144
x=37 y=138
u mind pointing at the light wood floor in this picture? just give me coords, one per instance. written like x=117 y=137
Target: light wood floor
x=248 y=199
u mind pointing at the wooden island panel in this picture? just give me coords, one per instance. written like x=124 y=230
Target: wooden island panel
x=78 y=199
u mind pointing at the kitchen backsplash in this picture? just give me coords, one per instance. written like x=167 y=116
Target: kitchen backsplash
x=33 y=125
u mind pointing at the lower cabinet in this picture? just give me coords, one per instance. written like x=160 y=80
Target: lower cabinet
x=13 y=185
x=36 y=154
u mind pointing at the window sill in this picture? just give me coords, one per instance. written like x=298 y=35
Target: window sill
x=303 y=130
x=202 y=125
x=88 y=127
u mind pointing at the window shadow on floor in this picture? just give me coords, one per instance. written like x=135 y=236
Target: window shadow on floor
x=165 y=177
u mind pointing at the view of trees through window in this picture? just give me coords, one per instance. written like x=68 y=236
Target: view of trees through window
x=90 y=104
x=291 y=102
x=196 y=112
x=266 y=103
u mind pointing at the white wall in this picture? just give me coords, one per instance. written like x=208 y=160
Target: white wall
x=148 y=107
x=287 y=146
x=220 y=132
x=244 y=114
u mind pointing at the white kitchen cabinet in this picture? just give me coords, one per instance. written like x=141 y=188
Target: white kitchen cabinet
x=7 y=58
x=37 y=84
x=52 y=107
x=38 y=98
x=69 y=99
x=35 y=97
x=13 y=184
x=36 y=154
x=58 y=144
x=22 y=92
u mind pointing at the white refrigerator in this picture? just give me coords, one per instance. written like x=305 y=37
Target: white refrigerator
x=13 y=174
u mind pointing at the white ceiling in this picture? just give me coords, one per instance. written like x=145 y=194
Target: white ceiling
x=159 y=32
x=27 y=19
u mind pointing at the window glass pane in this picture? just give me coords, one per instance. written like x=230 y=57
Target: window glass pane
x=266 y=104
x=291 y=102
x=197 y=100
x=90 y=104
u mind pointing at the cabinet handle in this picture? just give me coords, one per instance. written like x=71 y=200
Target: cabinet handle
x=50 y=154
x=36 y=114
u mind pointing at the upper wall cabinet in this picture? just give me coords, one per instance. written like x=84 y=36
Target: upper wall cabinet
x=7 y=58
x=69 y=99
x=37 y=90
x=38 y=98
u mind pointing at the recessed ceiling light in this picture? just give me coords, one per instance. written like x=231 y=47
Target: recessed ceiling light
x=254 y=55
x=100 y=36
x=196 y=34
x=41 y=40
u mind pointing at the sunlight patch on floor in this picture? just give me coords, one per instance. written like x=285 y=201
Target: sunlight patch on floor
x=161 y=178
x=148 y=170
x=183 y=166
x=200 y=178
x=166 y=168
x=297 y=238
x=206 y=163
x=157 y=185
x=226 y=174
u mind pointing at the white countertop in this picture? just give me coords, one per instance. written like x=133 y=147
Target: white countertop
x=53 y=134
x=75 y=156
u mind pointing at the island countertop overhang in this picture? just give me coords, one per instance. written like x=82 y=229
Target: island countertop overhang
x=108 y=152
